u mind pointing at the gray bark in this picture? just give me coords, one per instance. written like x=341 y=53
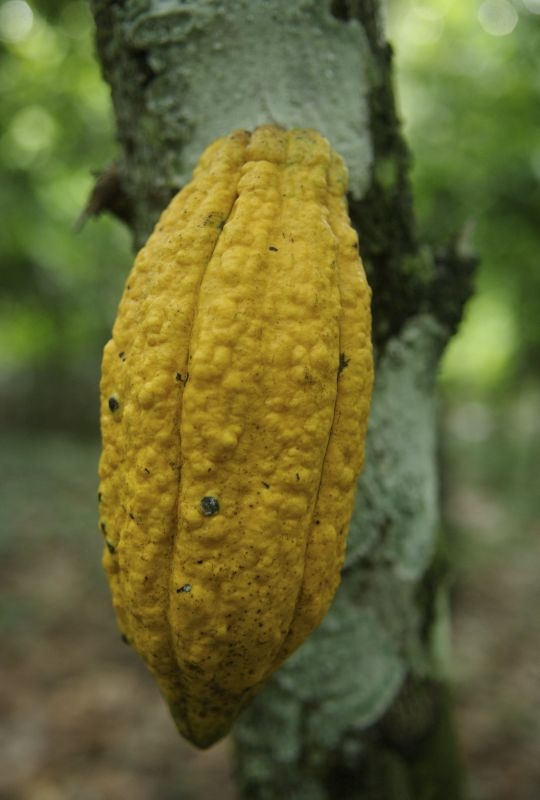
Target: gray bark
x=361 y=710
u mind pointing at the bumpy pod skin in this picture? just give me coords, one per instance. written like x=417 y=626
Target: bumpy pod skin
x=235 y=396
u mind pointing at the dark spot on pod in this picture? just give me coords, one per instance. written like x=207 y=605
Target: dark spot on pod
x=214 y=219
x=114 y=405
x=124 y=638
x=317 y=522
x=131 y=516
x=99 y=497
x=273 y=249
x=110 y=547
x=266 y=485
x=147 y=470
x=122 y=356
x=180 y=379
x=209 y=506
x=200 y=561
x=185 y=588
x=103 y=527
x=297 y=476
x=343 y=361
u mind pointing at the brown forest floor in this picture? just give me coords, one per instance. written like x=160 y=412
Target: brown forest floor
x=81 y=720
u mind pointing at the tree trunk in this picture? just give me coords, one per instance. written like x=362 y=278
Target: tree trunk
x=362 y=709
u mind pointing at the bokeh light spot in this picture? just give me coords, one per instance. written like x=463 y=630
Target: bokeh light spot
x=497 y=17
x=33 y=129
x=16 y=20
x=485 y=344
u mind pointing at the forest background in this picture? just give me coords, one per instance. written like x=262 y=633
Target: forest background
x=80 y=717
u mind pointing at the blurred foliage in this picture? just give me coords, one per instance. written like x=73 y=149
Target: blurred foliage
x=58 y=288
x=470 y=97
x=469 y=91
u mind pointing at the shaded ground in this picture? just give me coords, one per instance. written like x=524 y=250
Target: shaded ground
x=493 y=514
x=81 y=720
x=80 y=717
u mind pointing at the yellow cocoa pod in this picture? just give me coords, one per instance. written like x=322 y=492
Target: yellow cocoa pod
x=235 y=396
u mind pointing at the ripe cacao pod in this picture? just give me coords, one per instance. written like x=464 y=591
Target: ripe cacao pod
x=235 y=395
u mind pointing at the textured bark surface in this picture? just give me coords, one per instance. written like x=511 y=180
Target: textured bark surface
x=361 y=710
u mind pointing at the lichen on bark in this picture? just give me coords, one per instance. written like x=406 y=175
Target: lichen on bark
x=183 y=74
